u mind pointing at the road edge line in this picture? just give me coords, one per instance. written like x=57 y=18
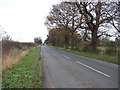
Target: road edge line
x=93 y=69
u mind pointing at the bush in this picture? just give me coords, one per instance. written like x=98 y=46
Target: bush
x=12 y=52
x=8 y=45
x=111 y=48
x=77 y=49
x=85 y=47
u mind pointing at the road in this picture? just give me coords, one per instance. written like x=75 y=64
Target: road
x=67 y=70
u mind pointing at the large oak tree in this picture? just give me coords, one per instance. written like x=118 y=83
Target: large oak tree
x=96 y=15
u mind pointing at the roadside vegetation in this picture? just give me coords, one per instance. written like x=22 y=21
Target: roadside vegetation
x=20 y=66
x=25 y=74
x=108 y=58
x=13 y=51
x=86 y=28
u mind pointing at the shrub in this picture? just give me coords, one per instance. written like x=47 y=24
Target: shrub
x=77 y=49
x=111 y=48
x=12 y=52
x=8 y=45
x=85 y=47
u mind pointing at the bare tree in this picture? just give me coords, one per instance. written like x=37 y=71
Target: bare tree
x=66 y=15
x=115 y=8
x=96 y=15
x=4 y=35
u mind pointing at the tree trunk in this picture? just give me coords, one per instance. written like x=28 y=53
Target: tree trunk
x=66 y=42
x=85 y=36
x=94 y=41
x=72 y=41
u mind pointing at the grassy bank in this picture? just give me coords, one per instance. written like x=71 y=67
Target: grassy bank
x=25 y=74
x=107 y=58
x=13 y=57
x=13 y=51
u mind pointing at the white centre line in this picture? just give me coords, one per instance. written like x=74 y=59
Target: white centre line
x=67 y=57
x=93 y=69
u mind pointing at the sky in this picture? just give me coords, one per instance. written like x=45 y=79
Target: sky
x=24 y=20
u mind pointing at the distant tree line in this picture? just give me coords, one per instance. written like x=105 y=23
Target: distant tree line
x=38 y=40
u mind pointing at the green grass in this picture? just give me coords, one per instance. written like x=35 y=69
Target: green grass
x=25 y=74
x=107 y=58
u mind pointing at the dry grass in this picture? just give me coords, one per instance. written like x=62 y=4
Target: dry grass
x=12 y=52
x=27 y=73
x=13 y=57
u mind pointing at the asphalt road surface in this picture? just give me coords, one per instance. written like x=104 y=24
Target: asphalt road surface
x=67 y=70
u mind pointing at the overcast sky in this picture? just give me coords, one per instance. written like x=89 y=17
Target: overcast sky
x=24 y=19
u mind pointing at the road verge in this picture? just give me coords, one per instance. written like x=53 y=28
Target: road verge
x=25 y=74
x=106 y=58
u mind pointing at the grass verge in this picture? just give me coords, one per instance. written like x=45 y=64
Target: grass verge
x=25 y=74
x=107 y=58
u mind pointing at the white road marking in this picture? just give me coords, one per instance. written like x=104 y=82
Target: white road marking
x=93 y=69
x=108 y=62
x=114 y=64
x=67 y=57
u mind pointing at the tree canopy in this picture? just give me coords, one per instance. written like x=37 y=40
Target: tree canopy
x=87 y=19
